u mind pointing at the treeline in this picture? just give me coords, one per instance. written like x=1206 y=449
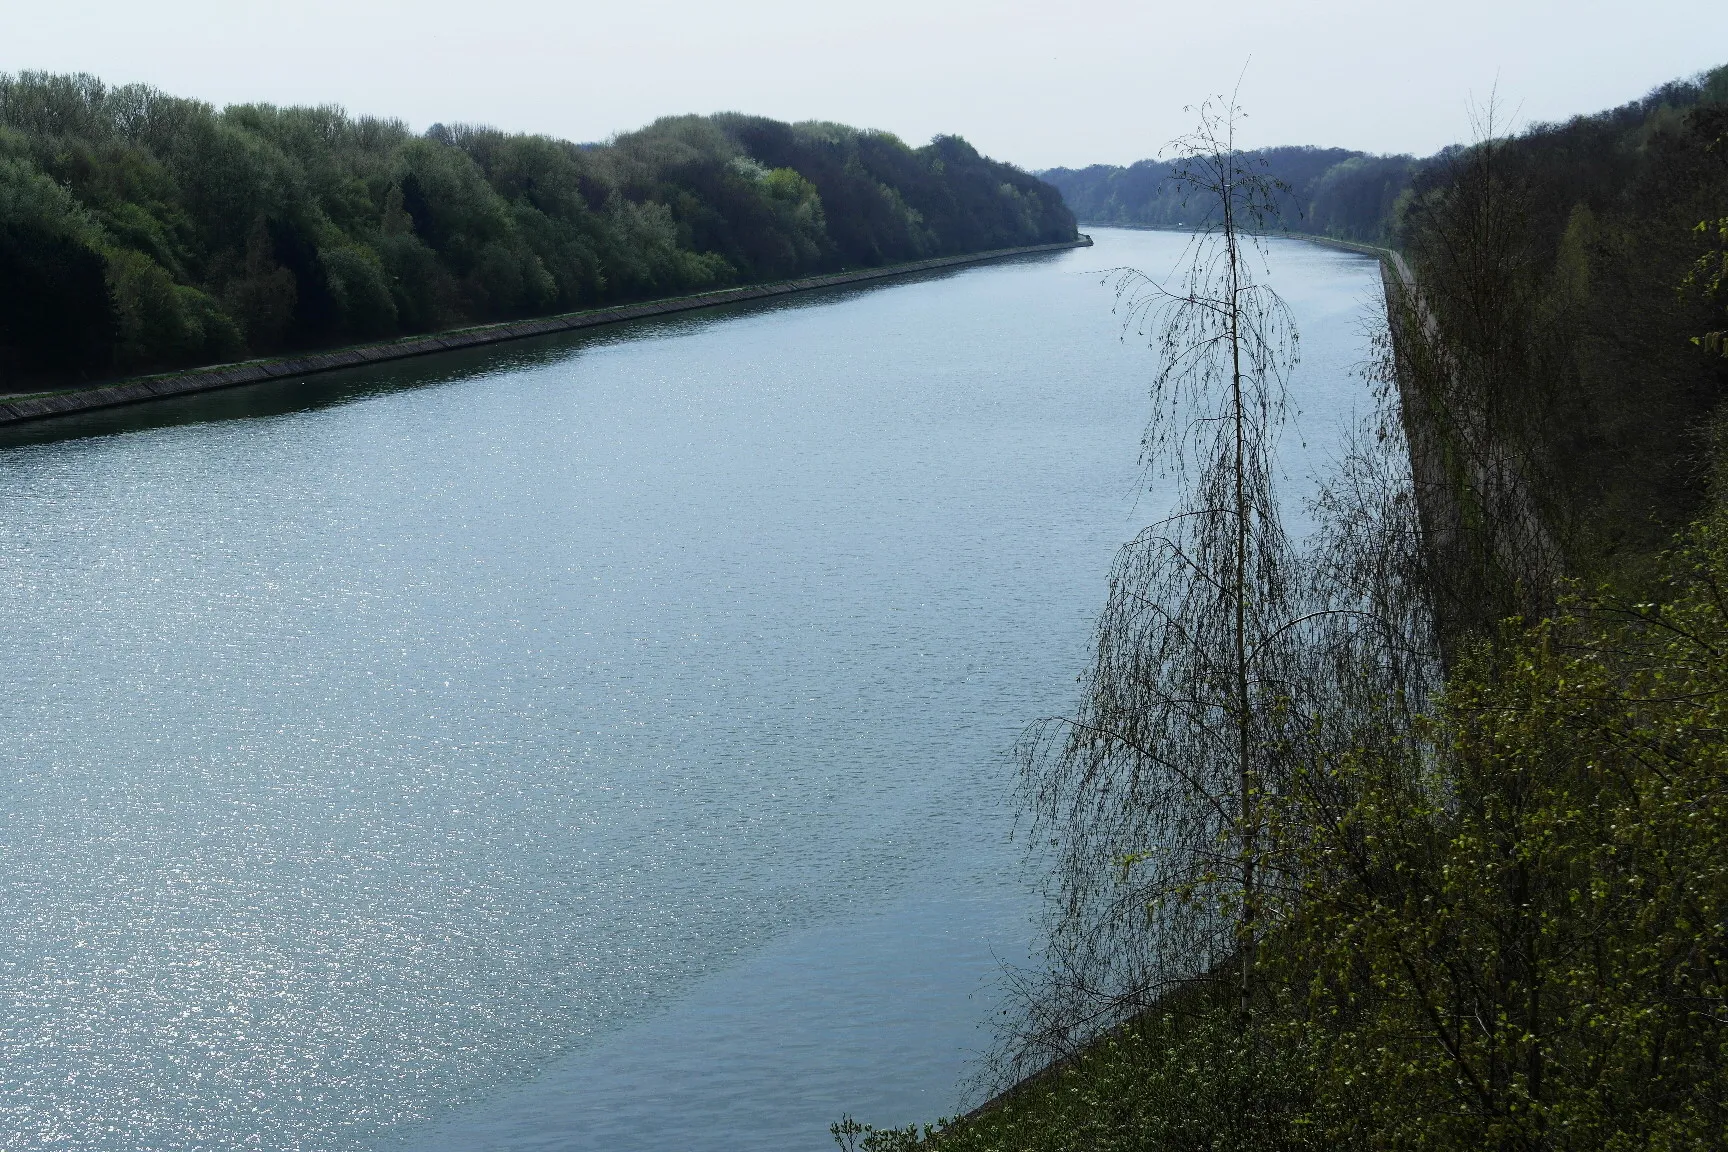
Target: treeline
x=1326 y=191
x=1485 y=790
x=140 y=230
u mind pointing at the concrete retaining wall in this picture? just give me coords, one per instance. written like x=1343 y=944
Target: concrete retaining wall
x=149 y=388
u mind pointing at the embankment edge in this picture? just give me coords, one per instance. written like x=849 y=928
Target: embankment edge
x=146 y=388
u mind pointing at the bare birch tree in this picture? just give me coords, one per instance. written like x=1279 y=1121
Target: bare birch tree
x=1152 y=796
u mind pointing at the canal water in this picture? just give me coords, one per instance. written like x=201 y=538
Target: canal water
x=598 y=742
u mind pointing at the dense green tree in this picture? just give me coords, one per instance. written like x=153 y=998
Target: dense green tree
x=141 y=230
x=57 y=314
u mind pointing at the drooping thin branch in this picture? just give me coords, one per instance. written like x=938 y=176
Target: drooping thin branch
x=1152 y=793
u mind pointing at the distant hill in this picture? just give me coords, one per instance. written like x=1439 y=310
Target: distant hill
x=1331 y=192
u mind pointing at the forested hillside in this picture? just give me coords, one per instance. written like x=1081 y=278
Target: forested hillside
x=140 y=230
x=1560 y=262
x=1469 y=887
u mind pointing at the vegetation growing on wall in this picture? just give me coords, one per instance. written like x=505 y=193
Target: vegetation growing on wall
x=140 y=230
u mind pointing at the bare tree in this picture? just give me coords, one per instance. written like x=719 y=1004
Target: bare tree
x=1152 y=796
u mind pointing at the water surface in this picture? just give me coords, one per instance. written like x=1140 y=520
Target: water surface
x=593 y=742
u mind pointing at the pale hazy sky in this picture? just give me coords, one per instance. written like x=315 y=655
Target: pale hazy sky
x=1038 y=84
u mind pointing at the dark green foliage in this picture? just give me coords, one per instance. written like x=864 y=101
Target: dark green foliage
x=56 y=316
x=1708 y=279
x=139 y=231
x=1563 y=264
